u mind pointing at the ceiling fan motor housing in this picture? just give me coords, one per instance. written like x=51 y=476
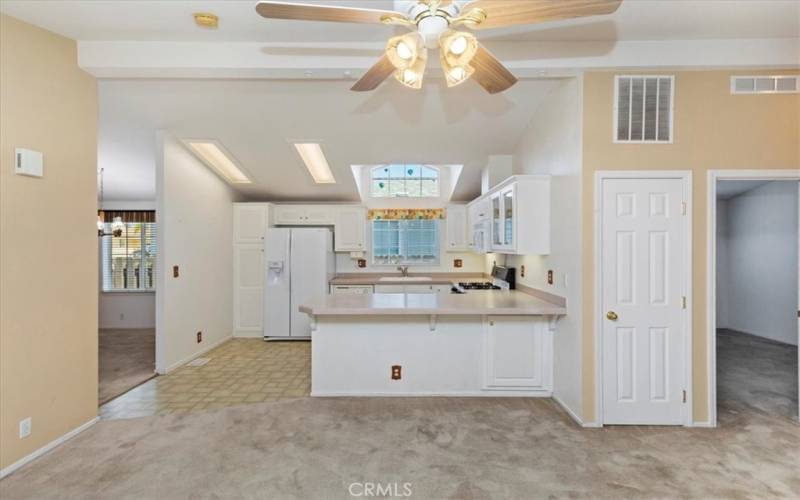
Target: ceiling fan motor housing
x=430 y=27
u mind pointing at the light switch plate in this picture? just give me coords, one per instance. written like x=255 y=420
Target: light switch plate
x=28 y=162
x=25 y=427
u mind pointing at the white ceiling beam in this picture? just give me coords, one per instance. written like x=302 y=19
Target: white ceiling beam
x=116 y=59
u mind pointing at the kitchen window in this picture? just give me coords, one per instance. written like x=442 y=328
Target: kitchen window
x=404 y=181
x=405 y=242
x=129 y=260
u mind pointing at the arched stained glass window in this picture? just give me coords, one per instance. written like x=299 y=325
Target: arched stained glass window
x=408 y=181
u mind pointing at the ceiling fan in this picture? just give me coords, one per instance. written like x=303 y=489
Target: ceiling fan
x=434 y=24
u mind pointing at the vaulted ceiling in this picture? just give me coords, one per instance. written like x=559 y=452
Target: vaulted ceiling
x=258 y=84
x=257 y=120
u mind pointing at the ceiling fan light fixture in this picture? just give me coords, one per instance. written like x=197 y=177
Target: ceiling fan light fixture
x=404 y=50
x=412 y=77
x=455 y=75
x=458 y=47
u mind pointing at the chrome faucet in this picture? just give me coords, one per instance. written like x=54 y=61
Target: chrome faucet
x=403 y=270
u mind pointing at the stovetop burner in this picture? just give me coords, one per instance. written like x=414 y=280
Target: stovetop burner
x=479 y=285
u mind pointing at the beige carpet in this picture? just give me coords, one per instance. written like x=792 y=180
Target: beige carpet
x=314 y=448
x=127 y=358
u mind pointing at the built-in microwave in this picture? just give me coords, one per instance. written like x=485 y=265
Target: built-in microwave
x=481 y=233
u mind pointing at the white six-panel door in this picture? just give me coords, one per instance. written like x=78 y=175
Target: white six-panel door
x=643 y=325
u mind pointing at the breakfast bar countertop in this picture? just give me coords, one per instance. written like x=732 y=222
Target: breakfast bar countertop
x=472 y=303
x=397 y=279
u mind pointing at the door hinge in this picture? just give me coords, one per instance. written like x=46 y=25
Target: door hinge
x=683 y=208
x=684 y=396
x=683 y=302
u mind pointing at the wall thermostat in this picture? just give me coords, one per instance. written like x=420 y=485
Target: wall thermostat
x=28 y=162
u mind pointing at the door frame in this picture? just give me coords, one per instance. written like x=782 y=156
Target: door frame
x=711 y=265
x=686 y=177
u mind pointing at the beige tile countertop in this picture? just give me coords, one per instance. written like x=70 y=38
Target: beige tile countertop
x=474 y=302
x=377 y=278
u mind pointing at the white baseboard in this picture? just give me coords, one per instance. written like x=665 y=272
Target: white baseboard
x=464 y=394
x=574 y=416
x=194 y=355
x=49 y=446
x=707 y=424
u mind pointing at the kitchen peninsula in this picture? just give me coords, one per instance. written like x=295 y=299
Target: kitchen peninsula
x=480 y=343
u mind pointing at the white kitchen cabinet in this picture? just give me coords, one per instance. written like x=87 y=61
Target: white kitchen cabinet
x=518 y=353
x=299 y=215
x=520 y=215
x=456 y=228
x=248 y=290
x=351 y=289
x=350 y=229
x=415 y=288
x=250 y=221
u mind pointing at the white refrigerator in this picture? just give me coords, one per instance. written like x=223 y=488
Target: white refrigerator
x=299 y=265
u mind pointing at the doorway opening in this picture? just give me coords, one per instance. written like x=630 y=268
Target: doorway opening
x=127 y=254
x=754 y=277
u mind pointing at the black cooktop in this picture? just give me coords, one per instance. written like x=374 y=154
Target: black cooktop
x=478 y=285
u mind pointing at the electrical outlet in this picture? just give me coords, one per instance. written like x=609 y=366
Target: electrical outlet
x=550 y=277
x=397 y=372
x=25 y=427
x=522 y=271
x=122 y=316
x=458 y=263
x=199 y=337
x=176 y=271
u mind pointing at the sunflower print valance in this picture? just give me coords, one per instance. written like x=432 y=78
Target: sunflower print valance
x=406 y=214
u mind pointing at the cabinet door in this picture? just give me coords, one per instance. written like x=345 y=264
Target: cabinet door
x=350 y=229
x=290 y=214
x=515 y=354
x=456 y=224
x=249 y=223
x=248 y=287
x=390 y=288
x=351 y=289
x=509 y=209
x=319 y=215
x=497 y=221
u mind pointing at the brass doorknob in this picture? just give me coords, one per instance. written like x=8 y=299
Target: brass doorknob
x=612 y=315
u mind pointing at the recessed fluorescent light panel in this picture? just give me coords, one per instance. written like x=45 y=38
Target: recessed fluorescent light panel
x=315 y=161
x=214 y=155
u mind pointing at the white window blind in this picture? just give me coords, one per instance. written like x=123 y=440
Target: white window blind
x=129 y=260
x=643 y=108
x=765 y=84
x=405 y=242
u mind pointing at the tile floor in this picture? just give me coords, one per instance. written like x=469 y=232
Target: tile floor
x=240 y=371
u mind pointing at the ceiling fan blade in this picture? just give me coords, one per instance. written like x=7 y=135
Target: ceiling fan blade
x=500 y=13
x=490 y=73
x=374 y=76
x=306 y=12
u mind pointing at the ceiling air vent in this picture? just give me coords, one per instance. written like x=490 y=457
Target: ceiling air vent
x=765 y=84
x=643 y=108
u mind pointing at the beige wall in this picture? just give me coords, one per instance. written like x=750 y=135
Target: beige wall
x=712 y=130
x=48 y=240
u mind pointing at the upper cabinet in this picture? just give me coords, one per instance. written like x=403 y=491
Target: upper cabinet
x=250 y=221
x=350 y=229
x=519 y=212
x=456 y=224
x=298 y=215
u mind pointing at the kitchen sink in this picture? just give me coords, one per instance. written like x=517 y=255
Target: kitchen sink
x=405 y=278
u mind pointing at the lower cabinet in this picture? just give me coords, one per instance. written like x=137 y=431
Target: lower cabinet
x=518 y=353
x=432 y=288
x=248 y=289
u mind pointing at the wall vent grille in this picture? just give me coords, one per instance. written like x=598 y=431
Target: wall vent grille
x=643 y=108
x=765 y=84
